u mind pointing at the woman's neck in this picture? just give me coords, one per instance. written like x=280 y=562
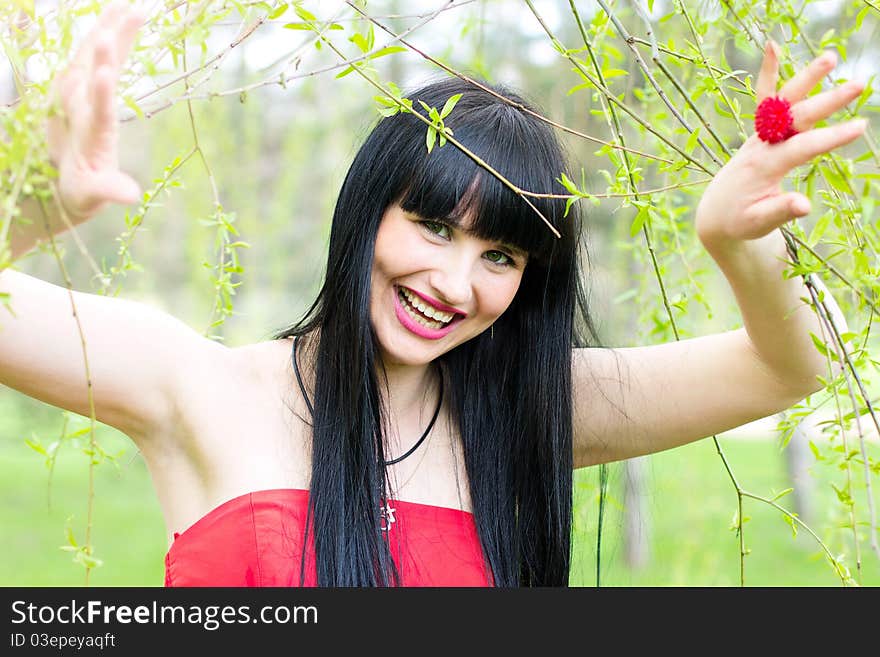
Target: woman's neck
x=409 y=387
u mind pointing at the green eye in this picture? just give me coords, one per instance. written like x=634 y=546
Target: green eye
x=437 y=228
x=499 y=258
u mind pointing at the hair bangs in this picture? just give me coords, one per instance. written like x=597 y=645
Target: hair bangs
x=447 y=184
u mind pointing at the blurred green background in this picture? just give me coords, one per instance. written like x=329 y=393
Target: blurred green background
x=278 y=156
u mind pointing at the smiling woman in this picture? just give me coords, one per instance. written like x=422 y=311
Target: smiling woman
x=420 y=424
x=437 y=272
x=415 y=259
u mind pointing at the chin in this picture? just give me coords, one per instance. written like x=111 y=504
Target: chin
x=412 y=356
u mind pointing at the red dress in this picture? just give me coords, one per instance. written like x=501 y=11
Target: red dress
x=256 y=539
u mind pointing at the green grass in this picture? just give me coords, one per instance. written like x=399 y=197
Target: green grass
x=689 y=508
x=128 y=532
x=689 y=511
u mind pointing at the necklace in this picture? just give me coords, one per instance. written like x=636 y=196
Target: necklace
x=384 y=462
x=427 y=429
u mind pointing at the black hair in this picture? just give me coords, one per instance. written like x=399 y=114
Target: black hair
x=509 y=392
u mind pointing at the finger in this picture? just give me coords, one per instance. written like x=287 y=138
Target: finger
x=127 y=32
x=72 y=94
x=774 y=211
x=103 y=98
x=65 y=84
x=107 y=186
x=103 y=86
x=769 y=73
x=808 y=77
x=816 y=108
x=83 y=57
x=105 y=53
x=118 y=187
x=804 y=146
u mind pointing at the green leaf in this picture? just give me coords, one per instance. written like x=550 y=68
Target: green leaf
x=37 y=447
x=692 y=140
x=71 y=539
x=821 y=347
x=782 y=494
x=360 y=41
x=88 y=561
x=836 y=180
x=431 y=137
x=842 y=495
x=613 y=73
x=860 y=17
x=827 y=39
x=578 y=87
x=132 y=105
x=345 y=72
x=279 y=11
x=568 y=183
x=449 y=105
x=388 y=50
x=818 y=231
x=639 y=221
x=305 y=14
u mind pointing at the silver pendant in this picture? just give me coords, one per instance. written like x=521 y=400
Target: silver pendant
x=387 y=517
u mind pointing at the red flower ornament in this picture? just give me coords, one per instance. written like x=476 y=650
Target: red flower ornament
x=773 y=120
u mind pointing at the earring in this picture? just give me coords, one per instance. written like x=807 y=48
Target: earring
x=492 y=332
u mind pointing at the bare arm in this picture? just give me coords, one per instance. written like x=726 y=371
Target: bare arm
x=637 y=401
x=136 y=355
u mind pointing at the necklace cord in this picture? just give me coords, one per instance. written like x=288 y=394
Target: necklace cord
x=384 y=462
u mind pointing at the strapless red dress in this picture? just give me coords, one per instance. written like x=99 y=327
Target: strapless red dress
x=256 y=539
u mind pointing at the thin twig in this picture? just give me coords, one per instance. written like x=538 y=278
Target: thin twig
x=90 y=498
x=612 y=98
x=503 y=98
x=705 y=62
x=624 y=35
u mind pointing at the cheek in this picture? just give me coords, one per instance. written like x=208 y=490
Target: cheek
x=395 y=255
x=500 y=294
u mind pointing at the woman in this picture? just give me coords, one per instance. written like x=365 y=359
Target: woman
x=422 y=425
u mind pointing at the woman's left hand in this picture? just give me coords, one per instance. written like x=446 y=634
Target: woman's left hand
x=745 y=200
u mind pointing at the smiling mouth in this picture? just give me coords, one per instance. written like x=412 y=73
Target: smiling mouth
x=423 y=313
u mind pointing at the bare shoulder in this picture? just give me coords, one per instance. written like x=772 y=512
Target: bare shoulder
x=238 y=428
x=238 y=388
x=268 y=362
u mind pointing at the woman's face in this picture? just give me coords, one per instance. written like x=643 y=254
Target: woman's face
x=434 y=287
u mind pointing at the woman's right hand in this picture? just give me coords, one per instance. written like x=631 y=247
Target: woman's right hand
x=83 y=138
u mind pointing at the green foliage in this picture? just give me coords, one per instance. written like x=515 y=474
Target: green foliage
x=648 y=122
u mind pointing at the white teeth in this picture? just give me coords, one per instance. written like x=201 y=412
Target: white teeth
x=411 y=301
x=426 y=309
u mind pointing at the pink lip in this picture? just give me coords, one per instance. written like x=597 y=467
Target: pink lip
x=437 y=304
x=423 y=331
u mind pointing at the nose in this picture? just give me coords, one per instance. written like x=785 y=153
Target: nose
x=451 y=279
